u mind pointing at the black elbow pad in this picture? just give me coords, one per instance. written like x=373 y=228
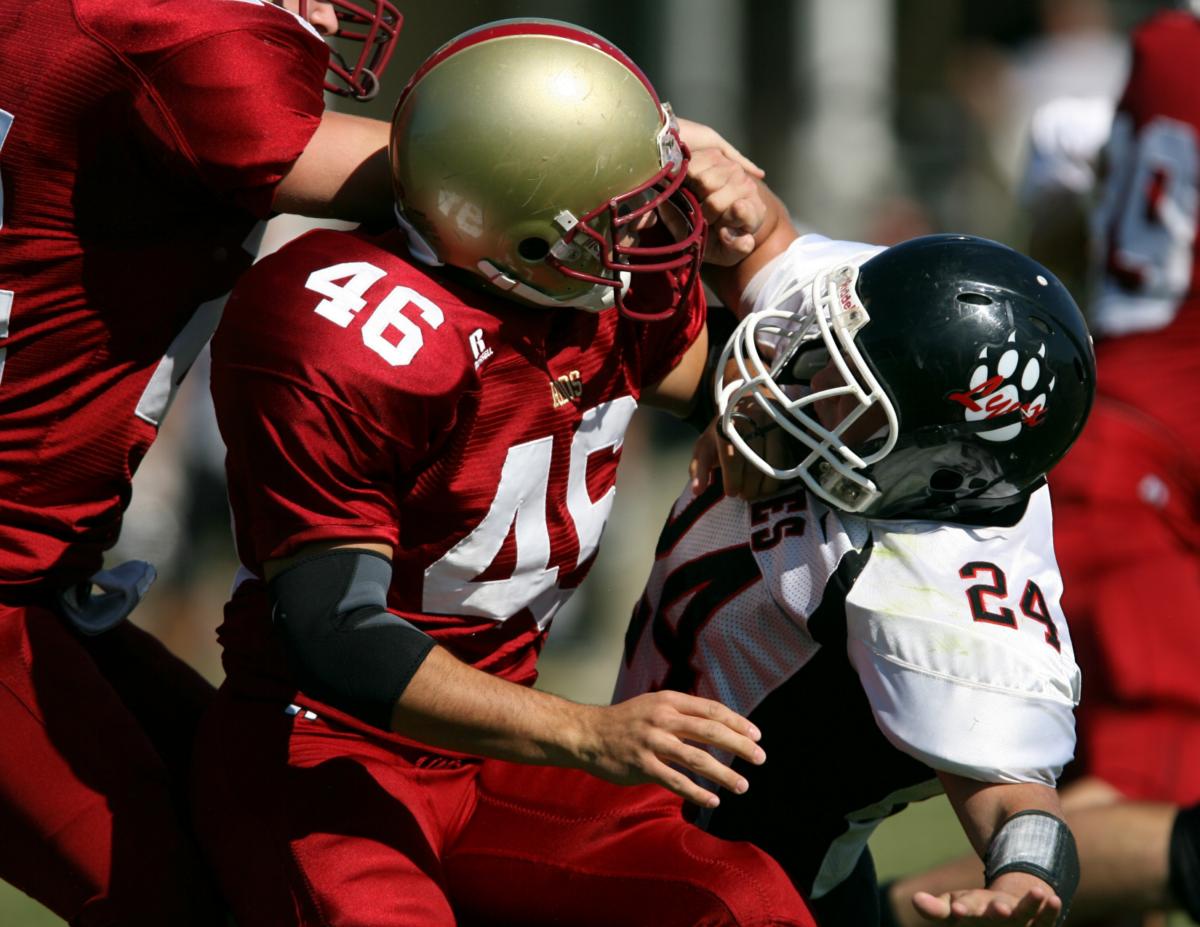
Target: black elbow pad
x=342 y=645
x=721 y=324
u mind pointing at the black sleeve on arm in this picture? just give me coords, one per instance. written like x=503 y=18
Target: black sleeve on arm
x=721 y=324
x=342 y=645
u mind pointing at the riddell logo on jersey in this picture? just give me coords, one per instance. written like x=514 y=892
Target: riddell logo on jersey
x=991 y=395
x=567 y=388
x=481 y=351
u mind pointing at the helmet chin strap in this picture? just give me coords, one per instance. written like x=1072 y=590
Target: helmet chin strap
x=418 y=247
x=596 y=299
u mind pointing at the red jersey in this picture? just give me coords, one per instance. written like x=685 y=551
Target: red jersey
x=364 y=397
x=141 y=141
x=1146 y=225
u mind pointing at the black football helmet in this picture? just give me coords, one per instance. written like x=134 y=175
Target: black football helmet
x=976 y=355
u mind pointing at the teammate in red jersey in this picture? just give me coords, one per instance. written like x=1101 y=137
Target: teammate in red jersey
x=143 y=143
x=1126 y=527
x=423 y=440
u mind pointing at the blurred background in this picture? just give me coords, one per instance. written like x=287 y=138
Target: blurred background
x=877 y=120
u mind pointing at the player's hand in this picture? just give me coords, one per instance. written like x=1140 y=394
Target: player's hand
x=1016 y=898
x=739 y=477
x=633 y=742
x=697 y=136
x=730 y=201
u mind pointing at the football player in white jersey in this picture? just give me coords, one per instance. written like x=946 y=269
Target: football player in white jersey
x=890 y=619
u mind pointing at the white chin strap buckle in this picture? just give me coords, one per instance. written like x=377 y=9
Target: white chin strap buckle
x=595 y=299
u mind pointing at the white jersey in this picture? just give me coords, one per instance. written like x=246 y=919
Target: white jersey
x=804 y=258
x=869 y=652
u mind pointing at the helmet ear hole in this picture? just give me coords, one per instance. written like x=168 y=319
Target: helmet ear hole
x=533 y=249
x=945 y=480
x=974 y=299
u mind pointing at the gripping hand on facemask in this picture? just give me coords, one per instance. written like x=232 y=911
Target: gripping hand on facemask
x=740 y=478
x=725 y=183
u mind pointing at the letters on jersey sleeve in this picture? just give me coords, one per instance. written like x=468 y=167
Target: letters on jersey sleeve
x=957 y=635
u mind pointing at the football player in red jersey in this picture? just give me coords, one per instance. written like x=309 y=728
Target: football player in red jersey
x=142 y=143
x=1126 y=529
x=423 y=434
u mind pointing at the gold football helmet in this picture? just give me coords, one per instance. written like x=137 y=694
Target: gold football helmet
x=527 y=152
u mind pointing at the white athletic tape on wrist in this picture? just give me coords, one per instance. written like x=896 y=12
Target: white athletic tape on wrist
x=1038 y=843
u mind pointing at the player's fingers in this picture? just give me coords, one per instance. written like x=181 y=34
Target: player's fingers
x=704 y=460
x=1047 y=916
x=680 y=784
x=975 y=904
x=731 y=240
x=673 y=219
x=1037 y=908
x=932 y=907
x=704 y=764
x=752 y=477
x=697 y=135
x=720 y=736
x=710 y=170
x=727 y=194
x=734 y=211
x=732 y=467
x=711 y=710
x=712 y=723
x=730 y=197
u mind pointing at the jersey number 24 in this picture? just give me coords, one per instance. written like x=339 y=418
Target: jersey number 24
x=1033 y=603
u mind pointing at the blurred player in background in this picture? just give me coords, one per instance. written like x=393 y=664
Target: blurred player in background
x=1127 y=529
x=423 y=433
x=892 y=625
x=142 y=144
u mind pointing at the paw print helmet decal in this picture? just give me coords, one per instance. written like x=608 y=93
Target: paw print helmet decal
x=970 y=361
x=1010 y=377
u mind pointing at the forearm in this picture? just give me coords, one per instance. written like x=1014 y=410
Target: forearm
x=454 y=706
x=983 y=807
x=679 y=390
x=344 y=647
x=1124 y=858
x=342 y=174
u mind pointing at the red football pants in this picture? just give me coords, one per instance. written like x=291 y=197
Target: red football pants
x=309 y=821
x=88 y=825
x=1127 y=542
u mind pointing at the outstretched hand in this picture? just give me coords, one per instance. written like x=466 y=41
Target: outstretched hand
x=1016 y=899
x=634 y=742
